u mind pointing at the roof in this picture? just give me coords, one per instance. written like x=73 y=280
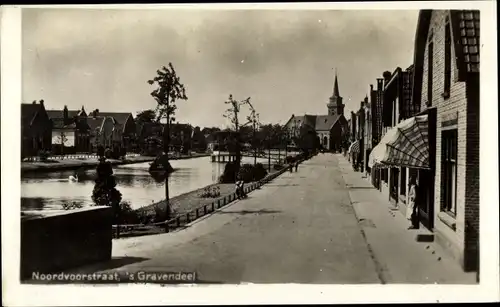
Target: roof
x=60 y=113
x=58 y=123
x=95 y=122
x=28 y=112
x=325 y=122
x=318 y=122
x=467 y=22
x=120 y=117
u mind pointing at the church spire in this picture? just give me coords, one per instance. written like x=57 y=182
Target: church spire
x=336 y=86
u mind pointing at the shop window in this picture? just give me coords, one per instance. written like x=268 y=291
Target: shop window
x=449 y=171
x=402 y=190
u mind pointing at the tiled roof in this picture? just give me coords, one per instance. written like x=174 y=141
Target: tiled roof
x=469 y=38
x=325 y=122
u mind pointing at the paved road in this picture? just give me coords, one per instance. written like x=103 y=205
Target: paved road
x=300 y=228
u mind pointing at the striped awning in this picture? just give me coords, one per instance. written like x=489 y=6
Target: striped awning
x=405 y=145
x=354 y=148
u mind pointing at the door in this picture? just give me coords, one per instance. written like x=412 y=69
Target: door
x=426 y=198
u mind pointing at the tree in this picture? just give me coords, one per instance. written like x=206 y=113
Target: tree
x=62 y=140
x=232 y=114
x=146 y=116
x=253 y=119
x=168 y=90
x=105 y=192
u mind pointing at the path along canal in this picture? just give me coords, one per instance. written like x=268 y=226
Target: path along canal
x=50 y=190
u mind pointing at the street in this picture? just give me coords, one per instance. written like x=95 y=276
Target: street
x=299 y=228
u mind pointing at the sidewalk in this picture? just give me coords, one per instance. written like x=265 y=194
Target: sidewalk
x=399 y=257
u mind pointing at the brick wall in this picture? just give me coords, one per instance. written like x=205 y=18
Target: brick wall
x=468 y=145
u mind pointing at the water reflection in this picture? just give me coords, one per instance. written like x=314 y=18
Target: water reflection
x=49 y=191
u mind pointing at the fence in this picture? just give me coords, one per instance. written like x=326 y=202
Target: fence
x=190 y=216
x=72 y=157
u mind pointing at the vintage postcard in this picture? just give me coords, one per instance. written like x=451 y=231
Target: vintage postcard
x=236 y=153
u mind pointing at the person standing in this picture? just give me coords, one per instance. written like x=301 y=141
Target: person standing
x=412 y=209
x=296 y=166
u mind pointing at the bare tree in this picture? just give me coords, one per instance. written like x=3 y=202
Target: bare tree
x=62 y=139
x=232 y=114
x=168 y=90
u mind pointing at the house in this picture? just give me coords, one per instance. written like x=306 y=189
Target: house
x=149 y=137
x=105 y=131
x=328 y=128
x=128 y=128
x=431 y=130
x=446 y=84
x=70 y=131
x=36 y=129
x=181 y=137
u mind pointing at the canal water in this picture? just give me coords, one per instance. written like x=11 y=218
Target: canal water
x=48 y=191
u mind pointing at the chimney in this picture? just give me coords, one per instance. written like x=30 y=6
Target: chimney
x=380 y=84
x=65 y=114
x=34 y=102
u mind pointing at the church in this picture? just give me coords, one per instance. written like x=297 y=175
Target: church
x=329 y=128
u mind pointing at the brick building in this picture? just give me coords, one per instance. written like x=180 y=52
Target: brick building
x=36 y=129
x=446 y=82
x=70 y=131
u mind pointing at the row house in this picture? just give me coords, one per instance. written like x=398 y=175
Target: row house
x=105 y=131
x=36 y=129
x=426 y=124
x=70 y=131
x=126 y=122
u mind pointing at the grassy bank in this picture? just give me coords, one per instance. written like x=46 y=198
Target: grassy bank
x=182 y=205
x=73 y=164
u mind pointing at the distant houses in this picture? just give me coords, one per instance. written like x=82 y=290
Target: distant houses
x=36 y=129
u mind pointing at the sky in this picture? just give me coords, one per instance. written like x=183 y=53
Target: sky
x=285 y=60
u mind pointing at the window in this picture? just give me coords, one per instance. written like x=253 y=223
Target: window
x=449 y=171
x=447 y=61
x=430 y=64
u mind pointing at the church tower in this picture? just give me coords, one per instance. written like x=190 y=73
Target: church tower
x=335 y=106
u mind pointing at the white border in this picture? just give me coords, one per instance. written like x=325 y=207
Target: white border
x=25 y=295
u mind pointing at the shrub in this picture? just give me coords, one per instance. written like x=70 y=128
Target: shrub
x=210 y=192
x=259 y=172
x=229 y=173
x=246 y=173
x=128 y=215
x=161 y=163
x=105 y=192
x=72 y=206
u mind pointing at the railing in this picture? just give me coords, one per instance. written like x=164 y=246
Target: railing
x=72 y=157
x=190 y=216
